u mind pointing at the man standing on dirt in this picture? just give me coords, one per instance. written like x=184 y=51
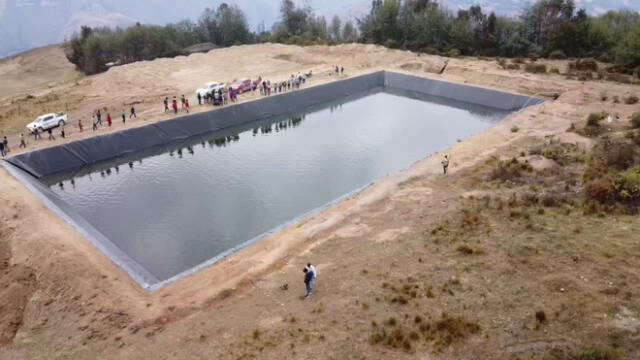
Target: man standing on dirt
x=5 y=142
x=123 y=115
x=133 y=112
x=182 y=99
x=166 y=104
x=175 y=105
x=80 y=125
x=308 y=281
x=99 y=118
x=109 y=120
x=445 y=164
x=23 y=144
x=313 y=270
x=36 y=134
x=51 y=137
x=2 y=152
x=199 y=99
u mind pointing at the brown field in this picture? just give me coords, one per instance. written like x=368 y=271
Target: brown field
x=497 y=260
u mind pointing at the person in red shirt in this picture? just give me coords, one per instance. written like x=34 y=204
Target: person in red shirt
x=175 y=105
x=109 y=119
x=186 y=105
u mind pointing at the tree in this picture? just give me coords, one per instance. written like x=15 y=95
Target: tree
x=335 y=29
x=628 y=52
x=232 y=26
x=208 y=25
x=293 y=19
x=349 y=33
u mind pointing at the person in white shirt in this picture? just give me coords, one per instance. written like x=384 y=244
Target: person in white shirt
x=313 y=270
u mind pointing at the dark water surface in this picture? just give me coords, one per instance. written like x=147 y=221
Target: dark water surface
x=174 y=210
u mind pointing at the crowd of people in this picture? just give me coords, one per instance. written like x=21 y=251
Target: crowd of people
x=218 y=97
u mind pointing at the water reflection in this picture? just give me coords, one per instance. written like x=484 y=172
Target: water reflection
x=211 y=143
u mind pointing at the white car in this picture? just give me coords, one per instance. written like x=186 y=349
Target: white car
x=209 y=87
x=47 y=121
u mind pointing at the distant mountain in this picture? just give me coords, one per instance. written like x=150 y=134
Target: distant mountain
x=26 y=24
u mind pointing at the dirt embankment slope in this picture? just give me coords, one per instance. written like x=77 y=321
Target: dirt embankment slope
x=395 y=281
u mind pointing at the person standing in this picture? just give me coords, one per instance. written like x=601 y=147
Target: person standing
x=109 y=120
x=62 y=131
x=5 y=142
x=308 y=281
x=98 y=118
x=80 y=125
x=186 y=105
x=51 y=137
x=2 y=152
x=445 y=164
x=199 y=99
x=23 y=143
x=313 y=270
x=175 y=105
x=36 y=134
x=182 y=99
x=123 y=115
x=133 y=112
x=166 y=104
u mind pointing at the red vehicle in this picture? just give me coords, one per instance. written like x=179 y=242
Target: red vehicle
x=242 y=86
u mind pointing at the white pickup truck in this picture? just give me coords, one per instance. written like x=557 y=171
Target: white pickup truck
x=47 y=121
x=209 y=87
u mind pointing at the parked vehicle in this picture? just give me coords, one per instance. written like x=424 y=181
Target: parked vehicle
x=47 y=121
x=209 y=87
x=242 y=86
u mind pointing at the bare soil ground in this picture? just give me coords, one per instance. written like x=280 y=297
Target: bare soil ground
x=419 y=265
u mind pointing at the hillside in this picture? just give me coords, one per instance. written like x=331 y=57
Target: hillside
x=35 y=71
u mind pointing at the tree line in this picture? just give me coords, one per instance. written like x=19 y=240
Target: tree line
x=546 y=28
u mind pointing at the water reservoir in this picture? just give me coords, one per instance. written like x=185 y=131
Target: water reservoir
x=167 y=199
x=175 y=210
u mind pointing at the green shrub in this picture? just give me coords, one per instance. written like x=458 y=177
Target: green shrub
x=635 y=120
x=554 y=70
x=631 y=100
x=584 y=65
x=621 y=78
x=519 y=61
x=454 y=53
x=392 y=44
x=502 y=63
x=513 y=67
x=595 y=353
x=431 y=51
x=510 y=171
x=601 y=190
x=535 y=68
x=595 y=118
x=515 y=129
x=628 y=185
x=557 y=55
x=617 y=154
